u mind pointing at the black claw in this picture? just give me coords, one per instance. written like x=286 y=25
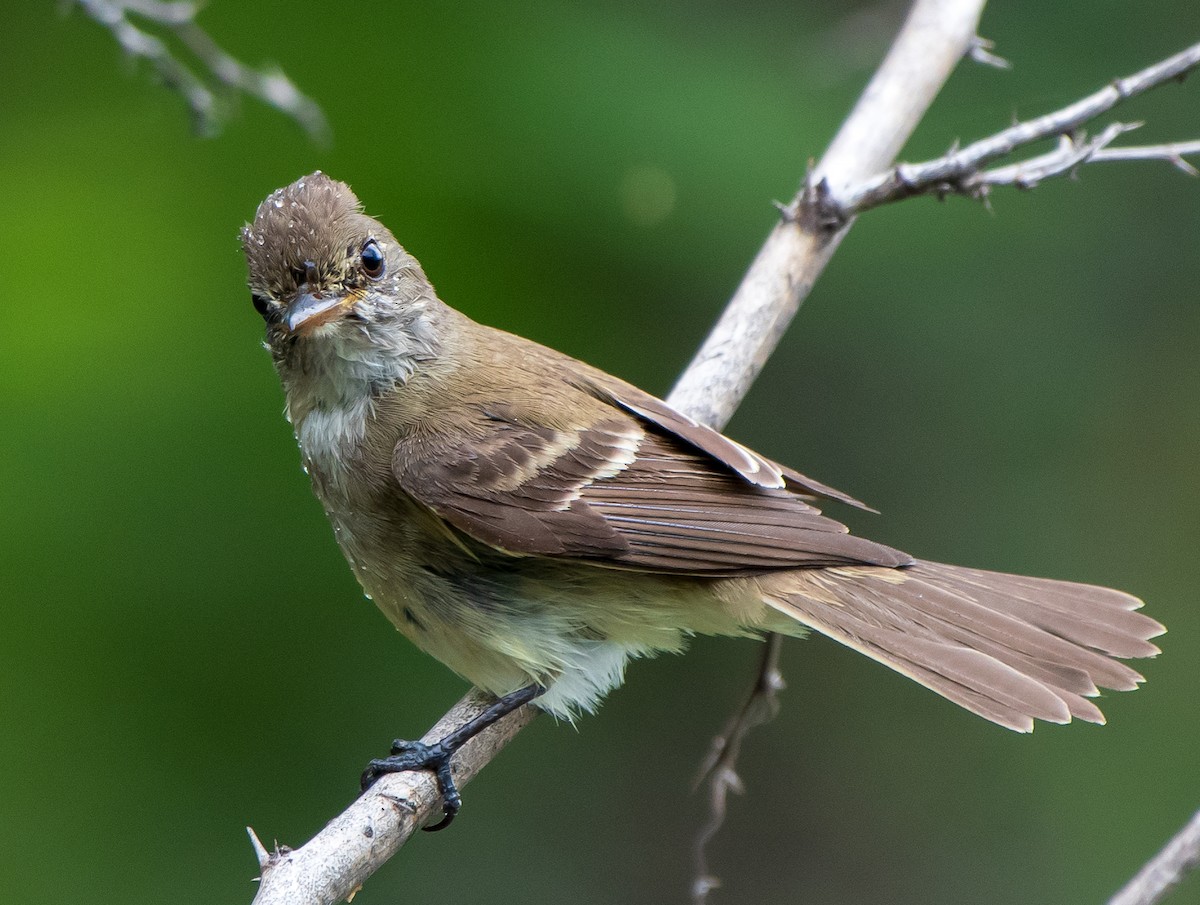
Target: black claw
x=451 y=799
x=369 y=775
x=447 y=817
x=408 y=755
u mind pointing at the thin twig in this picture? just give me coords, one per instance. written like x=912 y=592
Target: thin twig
x=1074 y=151
x=1071 y=153
x=1162 y=872
x=959 y=172
x=719 y=769
x=210 y=67
x=1173 y=153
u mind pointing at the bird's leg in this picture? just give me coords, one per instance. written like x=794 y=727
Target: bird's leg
x=435 y=757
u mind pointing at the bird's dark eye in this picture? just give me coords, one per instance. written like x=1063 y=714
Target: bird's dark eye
x=372 y=259
x=259 y=303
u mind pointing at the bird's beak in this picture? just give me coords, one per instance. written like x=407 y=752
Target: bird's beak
x=310 y=310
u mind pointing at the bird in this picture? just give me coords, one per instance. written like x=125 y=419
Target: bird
x=535 y=523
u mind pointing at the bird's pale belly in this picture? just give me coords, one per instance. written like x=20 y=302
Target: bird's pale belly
x=503 y=622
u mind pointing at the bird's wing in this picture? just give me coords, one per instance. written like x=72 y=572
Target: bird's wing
x=625 y=491
x=750 y=465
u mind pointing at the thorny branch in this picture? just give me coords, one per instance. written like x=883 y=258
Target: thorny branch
x=961 y=171
x=820 y=207
x=212 y=76
x=335 y=863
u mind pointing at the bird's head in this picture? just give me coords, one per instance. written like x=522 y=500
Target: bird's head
x=336 y=290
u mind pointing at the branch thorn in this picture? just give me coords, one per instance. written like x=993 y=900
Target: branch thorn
x=260 y=850
x=980 y=51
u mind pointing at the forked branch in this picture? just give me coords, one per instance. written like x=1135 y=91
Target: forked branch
x=963 y=170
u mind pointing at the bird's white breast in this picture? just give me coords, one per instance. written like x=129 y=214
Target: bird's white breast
x=329 y=438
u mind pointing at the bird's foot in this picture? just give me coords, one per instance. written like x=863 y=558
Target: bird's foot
x=407 y=756
x=436 y=757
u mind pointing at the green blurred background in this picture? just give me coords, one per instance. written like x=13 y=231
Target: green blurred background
x=184 y=652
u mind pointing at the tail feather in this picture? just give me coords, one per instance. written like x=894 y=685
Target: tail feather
x=972 y=607
x=1008 y=648
x=1111 y=626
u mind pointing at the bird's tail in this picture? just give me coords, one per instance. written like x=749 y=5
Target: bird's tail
x=1009 y=648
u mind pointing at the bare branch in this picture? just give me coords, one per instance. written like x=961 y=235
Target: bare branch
x=1162 y=872
x=934 y=38
x=216 y=67
x=337 y=861
x=1072 y=152
x=1173 y=153
x=960 y=171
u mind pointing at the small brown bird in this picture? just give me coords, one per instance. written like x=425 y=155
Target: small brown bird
x=535 y=523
